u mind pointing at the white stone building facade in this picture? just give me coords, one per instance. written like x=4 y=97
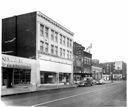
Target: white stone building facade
x=54 y=51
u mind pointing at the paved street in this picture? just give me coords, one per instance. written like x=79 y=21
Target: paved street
x=108 y=95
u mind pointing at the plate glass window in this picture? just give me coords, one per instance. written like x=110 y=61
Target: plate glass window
x=46 y=32
x=41 y=46
x=41 y=30
x=46 y=47
x=52 y=35
x=52 y=49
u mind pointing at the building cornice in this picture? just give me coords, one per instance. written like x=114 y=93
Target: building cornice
x=54 y=22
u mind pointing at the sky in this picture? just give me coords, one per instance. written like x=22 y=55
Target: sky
x=104 y=23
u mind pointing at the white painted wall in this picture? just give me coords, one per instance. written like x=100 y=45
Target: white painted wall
x=55 y=67
x=50 y=63
x=41 y=20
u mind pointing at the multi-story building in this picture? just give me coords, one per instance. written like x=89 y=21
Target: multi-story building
x=78 y=61
x=120 y=70
x=87 y=64
x=82 y=62
x=116 y=70
x=97 y=69
x=108 y=68
x=47 y=44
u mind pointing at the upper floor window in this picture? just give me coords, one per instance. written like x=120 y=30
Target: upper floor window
x=52 y=49
x=63 y=52
x=56 y=37
x=60 y=39
x=52 y=35
x=46 y=32
x=56 y=50
x=67 y=42
x=67 y=54
x=41 y=46
x=41 y=30
x=60 y=51
x=70 y=43
x=85 y=60
x=63 y=40
x=46 y=47
x=70 y=54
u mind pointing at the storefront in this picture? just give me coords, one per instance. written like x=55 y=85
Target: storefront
x=16 y=71
x=48 y=77
x=97 y=72
x=15 y=76
x=53 y=72
x=106 y=77
x=64 y=78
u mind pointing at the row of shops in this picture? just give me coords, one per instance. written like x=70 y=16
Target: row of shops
x=18 y=71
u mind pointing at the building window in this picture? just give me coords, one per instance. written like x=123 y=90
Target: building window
x=60 y=39
x=21 y=76
x=67 y=42
x=52 y=35
x=63 y=40
x=56 y=37
x=63 y=52
x=42 y=30
x=41 y=46
x=60 y=51
x=89 y=61
x=56 y=50
x=67 y=54
x=46 y=47
x=52 y=49
x=70 y=43
x=85 y=60
x=70 y=55
x=46 y=32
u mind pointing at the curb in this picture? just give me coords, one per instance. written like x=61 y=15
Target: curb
x=36 y=91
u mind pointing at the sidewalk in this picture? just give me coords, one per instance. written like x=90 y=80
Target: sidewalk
x=29 y=89
x=44 y=87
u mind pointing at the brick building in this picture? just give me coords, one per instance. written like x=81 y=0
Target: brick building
x=82 y=62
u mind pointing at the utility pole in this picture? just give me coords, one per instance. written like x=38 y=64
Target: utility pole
x=111 y=73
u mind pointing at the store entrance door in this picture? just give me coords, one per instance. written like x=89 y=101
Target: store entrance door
x=7 y=74
x=9 y=78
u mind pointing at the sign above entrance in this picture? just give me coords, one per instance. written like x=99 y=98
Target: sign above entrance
x=16 y=62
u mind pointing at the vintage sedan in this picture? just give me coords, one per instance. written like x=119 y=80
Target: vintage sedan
x=87 y=82
x=100 y=82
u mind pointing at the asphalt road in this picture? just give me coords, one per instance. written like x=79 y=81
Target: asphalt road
x=107 y=95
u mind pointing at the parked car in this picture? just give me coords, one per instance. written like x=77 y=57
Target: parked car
x=101 y=81
x=81 y=83
x=76 y=82
x=94 y=82
x=87 y=82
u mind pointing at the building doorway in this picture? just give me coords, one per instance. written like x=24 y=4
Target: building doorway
x=7 y=77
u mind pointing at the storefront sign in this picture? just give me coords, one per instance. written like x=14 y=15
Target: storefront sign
x=11 y=59
x=15 y=62
x=117 y=76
